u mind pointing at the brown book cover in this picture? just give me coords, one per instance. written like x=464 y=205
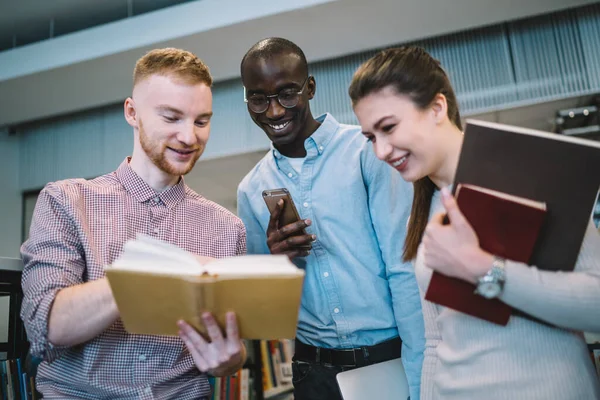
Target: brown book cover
x=554 y=169
x=507 y=226
x=156 y=284
x=558 y=170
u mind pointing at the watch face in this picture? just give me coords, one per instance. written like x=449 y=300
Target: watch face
x=489 y=290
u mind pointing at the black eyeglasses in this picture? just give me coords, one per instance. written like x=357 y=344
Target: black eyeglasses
x=288 y=98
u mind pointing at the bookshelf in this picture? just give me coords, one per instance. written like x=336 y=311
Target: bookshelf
x=267 y=374
x=273 y=363
x=16 y=376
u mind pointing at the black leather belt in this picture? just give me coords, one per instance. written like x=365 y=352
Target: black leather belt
x=358 y=357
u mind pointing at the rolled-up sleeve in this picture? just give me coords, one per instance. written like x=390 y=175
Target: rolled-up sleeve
x=53 y=260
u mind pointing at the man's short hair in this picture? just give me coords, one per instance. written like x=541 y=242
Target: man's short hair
x=170 y=61
x=273 y=46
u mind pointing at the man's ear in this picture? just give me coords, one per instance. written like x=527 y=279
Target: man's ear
x=130 y=112
x=311 y=87
x=439 y=107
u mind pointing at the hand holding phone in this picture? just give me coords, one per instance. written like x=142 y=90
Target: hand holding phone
x=286 y=232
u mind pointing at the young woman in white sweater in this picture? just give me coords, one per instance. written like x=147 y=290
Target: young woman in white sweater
x=407 y=108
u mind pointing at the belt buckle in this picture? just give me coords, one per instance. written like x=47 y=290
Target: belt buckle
x=353 y=359
x=324 y=357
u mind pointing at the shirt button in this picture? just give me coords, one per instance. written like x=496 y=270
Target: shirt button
x=344 y=337
x=290 y=174
x=157 y=200
x=148 y=390
x=142 y=357
x=336 y=310
x=305 y=204
x=321 y=148
x=156 y=230
x=326 y=274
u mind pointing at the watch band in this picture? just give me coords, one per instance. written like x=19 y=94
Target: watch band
x=491 y=284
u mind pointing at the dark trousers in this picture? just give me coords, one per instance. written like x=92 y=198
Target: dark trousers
x=314 y=381
x=314 y=370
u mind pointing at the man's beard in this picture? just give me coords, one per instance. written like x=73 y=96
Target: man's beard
x=156 y=152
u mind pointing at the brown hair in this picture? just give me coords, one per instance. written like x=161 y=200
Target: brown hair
x=181 y=63
x=411 y=71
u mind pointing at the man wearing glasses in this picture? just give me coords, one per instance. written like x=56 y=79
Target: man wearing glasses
x=360 y=303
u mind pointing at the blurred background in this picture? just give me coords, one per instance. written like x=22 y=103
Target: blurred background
x=66 y=66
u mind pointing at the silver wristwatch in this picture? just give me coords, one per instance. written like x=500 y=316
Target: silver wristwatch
x=491 y=284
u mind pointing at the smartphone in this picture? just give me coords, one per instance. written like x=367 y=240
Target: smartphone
x=290 y=213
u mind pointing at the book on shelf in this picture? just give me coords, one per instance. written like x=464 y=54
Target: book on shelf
x=529 y=196
x=155 y=284
x=237 y=386
x=276 y=362
x=270 y=365
x=15 y=382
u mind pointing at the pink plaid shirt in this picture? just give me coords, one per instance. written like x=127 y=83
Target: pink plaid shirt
x=79 y=227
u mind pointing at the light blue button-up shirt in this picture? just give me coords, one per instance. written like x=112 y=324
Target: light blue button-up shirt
x=357 y=290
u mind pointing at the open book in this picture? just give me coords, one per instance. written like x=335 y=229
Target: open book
x=155 y=284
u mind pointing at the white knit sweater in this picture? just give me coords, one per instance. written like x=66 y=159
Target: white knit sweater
x=468 y=358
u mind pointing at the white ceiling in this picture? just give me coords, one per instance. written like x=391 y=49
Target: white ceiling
x=100 y=72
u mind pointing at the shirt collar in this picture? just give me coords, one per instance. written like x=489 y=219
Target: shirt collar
x=142 y=192
x=320 y=138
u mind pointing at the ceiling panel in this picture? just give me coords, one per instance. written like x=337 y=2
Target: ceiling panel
x=92 y=68
x=29 y=21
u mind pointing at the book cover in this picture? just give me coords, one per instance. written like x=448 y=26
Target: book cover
x=507 y=226
x=266 y=366
x=558 y=170
x=549 y=168
x=245 y=384
x=156 y=284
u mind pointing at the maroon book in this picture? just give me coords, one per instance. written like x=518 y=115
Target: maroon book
x=507 y=226
x=557 y=170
